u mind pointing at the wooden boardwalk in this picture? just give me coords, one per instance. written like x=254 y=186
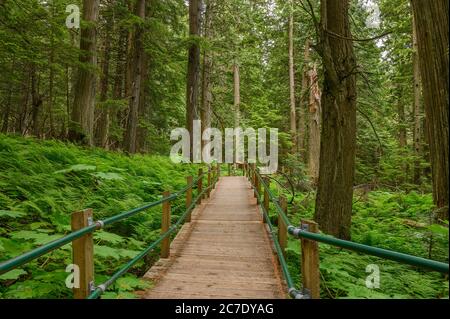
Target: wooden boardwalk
x=224 y=252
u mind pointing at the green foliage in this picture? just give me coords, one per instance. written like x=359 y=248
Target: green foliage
x=43 y=182
x=392 y=220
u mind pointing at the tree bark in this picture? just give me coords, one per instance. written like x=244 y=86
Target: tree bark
x=402 y=134
x=206 y=74
x=136 y=81
x=338 y=138
x=417 y=134
x=102 y=125
x=431 y=25
x=192 y=87
x=82 y=117
x=314 y=126
x=237 y=94
x=292 y=80
x=7 y=107
x=22 y=110
x=36 y=102
x=303 y=104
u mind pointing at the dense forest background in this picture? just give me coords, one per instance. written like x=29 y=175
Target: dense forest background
x=136 y=69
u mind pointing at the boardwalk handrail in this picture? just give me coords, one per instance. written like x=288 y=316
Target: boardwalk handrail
x=25 y=258
x=305 y=234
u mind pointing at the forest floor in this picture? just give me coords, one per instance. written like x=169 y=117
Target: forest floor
x=42 y=182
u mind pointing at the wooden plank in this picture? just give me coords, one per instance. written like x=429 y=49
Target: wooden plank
x=225 y=253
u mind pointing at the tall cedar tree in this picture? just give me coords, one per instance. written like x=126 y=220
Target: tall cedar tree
x=338 y=137
x=82 y=116
x=431 y=23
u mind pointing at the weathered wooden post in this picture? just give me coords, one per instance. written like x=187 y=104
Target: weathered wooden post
x=266 y=197
x=165 y=225
x=258 y=186
x=310 y=261
x=229 y=169
x=189 y=180
x=252 y=178
x=208 y=192
x=200 y=185
x=282 y=229
x=217 y=169
x=83 y=254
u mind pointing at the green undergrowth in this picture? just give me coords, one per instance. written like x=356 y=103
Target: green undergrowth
x=392 y=220
x=43 y=182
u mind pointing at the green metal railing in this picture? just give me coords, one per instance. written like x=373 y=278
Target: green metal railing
x=303 y=233
x=25 y=258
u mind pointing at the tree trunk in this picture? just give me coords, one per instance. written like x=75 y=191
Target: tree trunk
x=7 y=111
x=102 y=125
x=36 y=102
x=402 y=138
x=82 y=117
x=193 y=70
x=431 y=25
x=292 y=80
x=51 y=85
x=22 y=110
x=136 y=85
x=303 y=104
x=237 y=95
x=338 y=137
x=118 y=86
x=314 y=126
x=7 y=108
x=416 y=109
x=206 y=76
x=237 y=103
x=143 y=110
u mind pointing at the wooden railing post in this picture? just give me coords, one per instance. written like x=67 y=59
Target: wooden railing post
x=258 y=186
x=200 y=185
x=165 y=225
x=83 y=254
x=266 y=198
x=189 y=180
x=310 y=261
x=208 y=192
x=282 y=230
x=252 y=178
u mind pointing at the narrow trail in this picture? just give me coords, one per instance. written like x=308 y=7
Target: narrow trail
x=224 y=252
